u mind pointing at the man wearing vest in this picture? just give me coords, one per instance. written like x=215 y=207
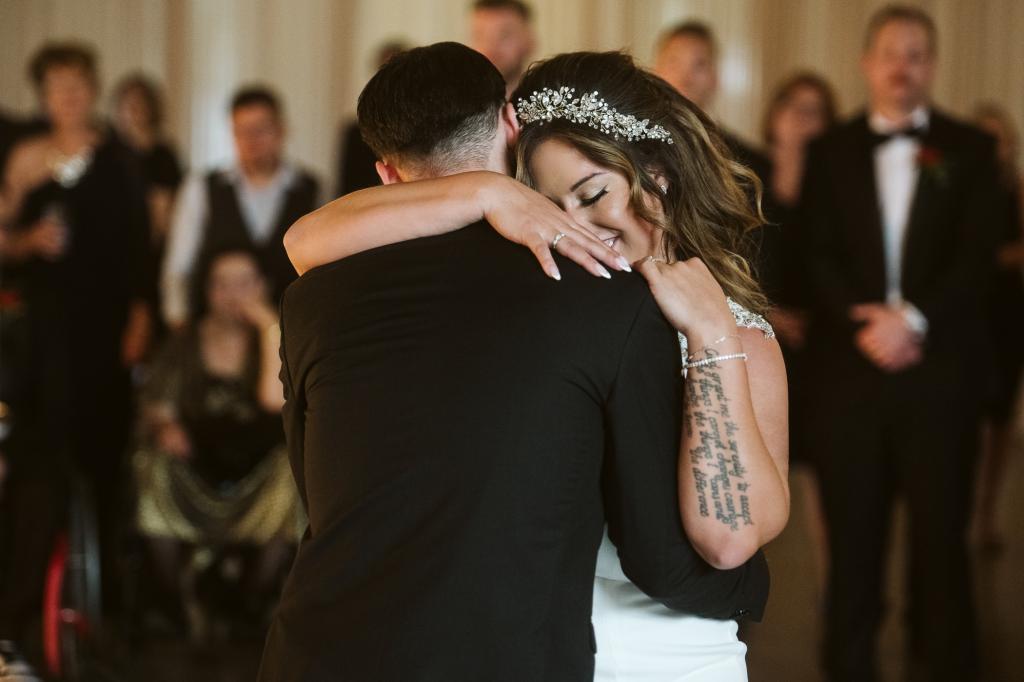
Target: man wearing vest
x=249 y=205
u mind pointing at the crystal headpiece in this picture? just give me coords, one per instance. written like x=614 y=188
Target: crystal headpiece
x=591 y=110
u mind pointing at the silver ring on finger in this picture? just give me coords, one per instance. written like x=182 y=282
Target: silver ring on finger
x=554 y=242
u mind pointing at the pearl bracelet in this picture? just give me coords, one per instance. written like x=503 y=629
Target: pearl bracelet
x=712 y=360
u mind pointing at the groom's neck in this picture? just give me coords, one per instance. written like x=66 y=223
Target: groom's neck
x=496 y=158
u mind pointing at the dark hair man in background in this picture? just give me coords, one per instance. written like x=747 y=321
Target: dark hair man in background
x=501 y=30
x=687 y=58
x=247 y=205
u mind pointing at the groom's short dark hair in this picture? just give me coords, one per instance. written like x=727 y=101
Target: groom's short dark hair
x=434 y=107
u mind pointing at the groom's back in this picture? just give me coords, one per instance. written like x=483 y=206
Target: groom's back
x=445 y=421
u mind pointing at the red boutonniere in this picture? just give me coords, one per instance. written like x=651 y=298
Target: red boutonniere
x=933 y=164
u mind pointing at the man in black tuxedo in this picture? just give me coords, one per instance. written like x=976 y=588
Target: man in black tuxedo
x=687 y=59
x=899 y=226
x=460 y=427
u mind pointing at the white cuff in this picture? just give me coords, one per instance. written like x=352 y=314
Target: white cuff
x=915 y=319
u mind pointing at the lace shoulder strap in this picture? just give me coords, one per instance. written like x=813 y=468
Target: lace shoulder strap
x=744 y=319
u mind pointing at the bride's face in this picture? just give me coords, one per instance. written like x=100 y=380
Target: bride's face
x=596 y=197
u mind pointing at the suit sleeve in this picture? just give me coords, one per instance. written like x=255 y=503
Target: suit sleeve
x=293 y=412
x=822 y=255
x=640 y=484
x=966 y=281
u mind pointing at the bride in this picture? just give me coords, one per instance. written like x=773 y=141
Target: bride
x=641 y=176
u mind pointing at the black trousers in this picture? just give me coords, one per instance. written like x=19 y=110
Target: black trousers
x=913 y=434
x=99 y=454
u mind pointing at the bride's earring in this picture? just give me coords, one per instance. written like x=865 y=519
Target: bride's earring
x=664 y=189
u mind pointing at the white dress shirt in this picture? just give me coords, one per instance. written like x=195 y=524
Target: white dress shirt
x=260 y=206
x=896 y=176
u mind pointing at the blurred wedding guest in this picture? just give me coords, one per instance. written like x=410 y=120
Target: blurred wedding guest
x=250 y=204
x=686 y=57
x=138 y=119
x=33 y=488
x=502 y=31
x=356 y=161
x=901 y=206
x=212 y=469
x=32 y=484
x=1007 y=311
x=76 y=231
x=802 y=108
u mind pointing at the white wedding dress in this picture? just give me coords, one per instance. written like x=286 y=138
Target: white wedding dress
x=638 y=639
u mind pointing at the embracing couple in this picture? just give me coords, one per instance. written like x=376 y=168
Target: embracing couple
x=476 y=438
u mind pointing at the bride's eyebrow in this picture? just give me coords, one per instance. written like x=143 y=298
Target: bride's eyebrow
x=582 y=180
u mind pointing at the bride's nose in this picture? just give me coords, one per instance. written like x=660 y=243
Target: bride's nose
x=583 y=218
x=578 y=214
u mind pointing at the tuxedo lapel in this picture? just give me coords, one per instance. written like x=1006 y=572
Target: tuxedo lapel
x=933 y=175
x=865 y=205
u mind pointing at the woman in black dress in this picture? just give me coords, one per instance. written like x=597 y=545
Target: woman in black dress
x=75 y=237
x=802 y=108
x=138 y=120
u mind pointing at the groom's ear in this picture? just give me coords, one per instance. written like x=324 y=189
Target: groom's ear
x=510 y=124
x=388 y=173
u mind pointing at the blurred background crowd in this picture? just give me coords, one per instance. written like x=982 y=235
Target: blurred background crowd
x=153 y=155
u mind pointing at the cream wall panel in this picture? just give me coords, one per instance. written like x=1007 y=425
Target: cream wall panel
x=318 y=53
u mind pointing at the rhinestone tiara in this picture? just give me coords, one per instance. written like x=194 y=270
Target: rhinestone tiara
x=590 y=109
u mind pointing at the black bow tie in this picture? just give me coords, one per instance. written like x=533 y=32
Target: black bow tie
x=914 y=132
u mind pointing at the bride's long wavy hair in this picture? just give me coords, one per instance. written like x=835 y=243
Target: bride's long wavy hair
x=713 y=202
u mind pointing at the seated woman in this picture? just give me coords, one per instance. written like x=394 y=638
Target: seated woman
x=212 y=469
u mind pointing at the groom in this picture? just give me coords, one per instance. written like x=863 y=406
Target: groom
x=461 y=427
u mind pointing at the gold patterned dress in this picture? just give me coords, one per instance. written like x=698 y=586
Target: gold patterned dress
x=237 y=486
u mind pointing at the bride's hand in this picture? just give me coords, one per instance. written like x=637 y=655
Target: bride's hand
x=690 y=298
x=526 y=217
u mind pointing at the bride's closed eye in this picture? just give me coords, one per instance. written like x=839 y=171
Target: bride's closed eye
x=591 y=200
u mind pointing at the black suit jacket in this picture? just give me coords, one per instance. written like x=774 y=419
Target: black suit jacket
x=447 y=410
x=948 y=253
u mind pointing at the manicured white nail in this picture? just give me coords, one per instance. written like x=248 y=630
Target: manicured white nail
x=555 y=274
x=624 y=264
x=603 y=271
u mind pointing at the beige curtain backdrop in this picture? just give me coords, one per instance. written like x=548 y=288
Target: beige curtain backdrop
x=317 y=53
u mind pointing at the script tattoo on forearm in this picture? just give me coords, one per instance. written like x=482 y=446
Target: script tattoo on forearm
x=718 y=473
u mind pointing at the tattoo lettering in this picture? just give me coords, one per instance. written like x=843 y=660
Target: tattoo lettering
x=718 y=470
x=702 y=484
